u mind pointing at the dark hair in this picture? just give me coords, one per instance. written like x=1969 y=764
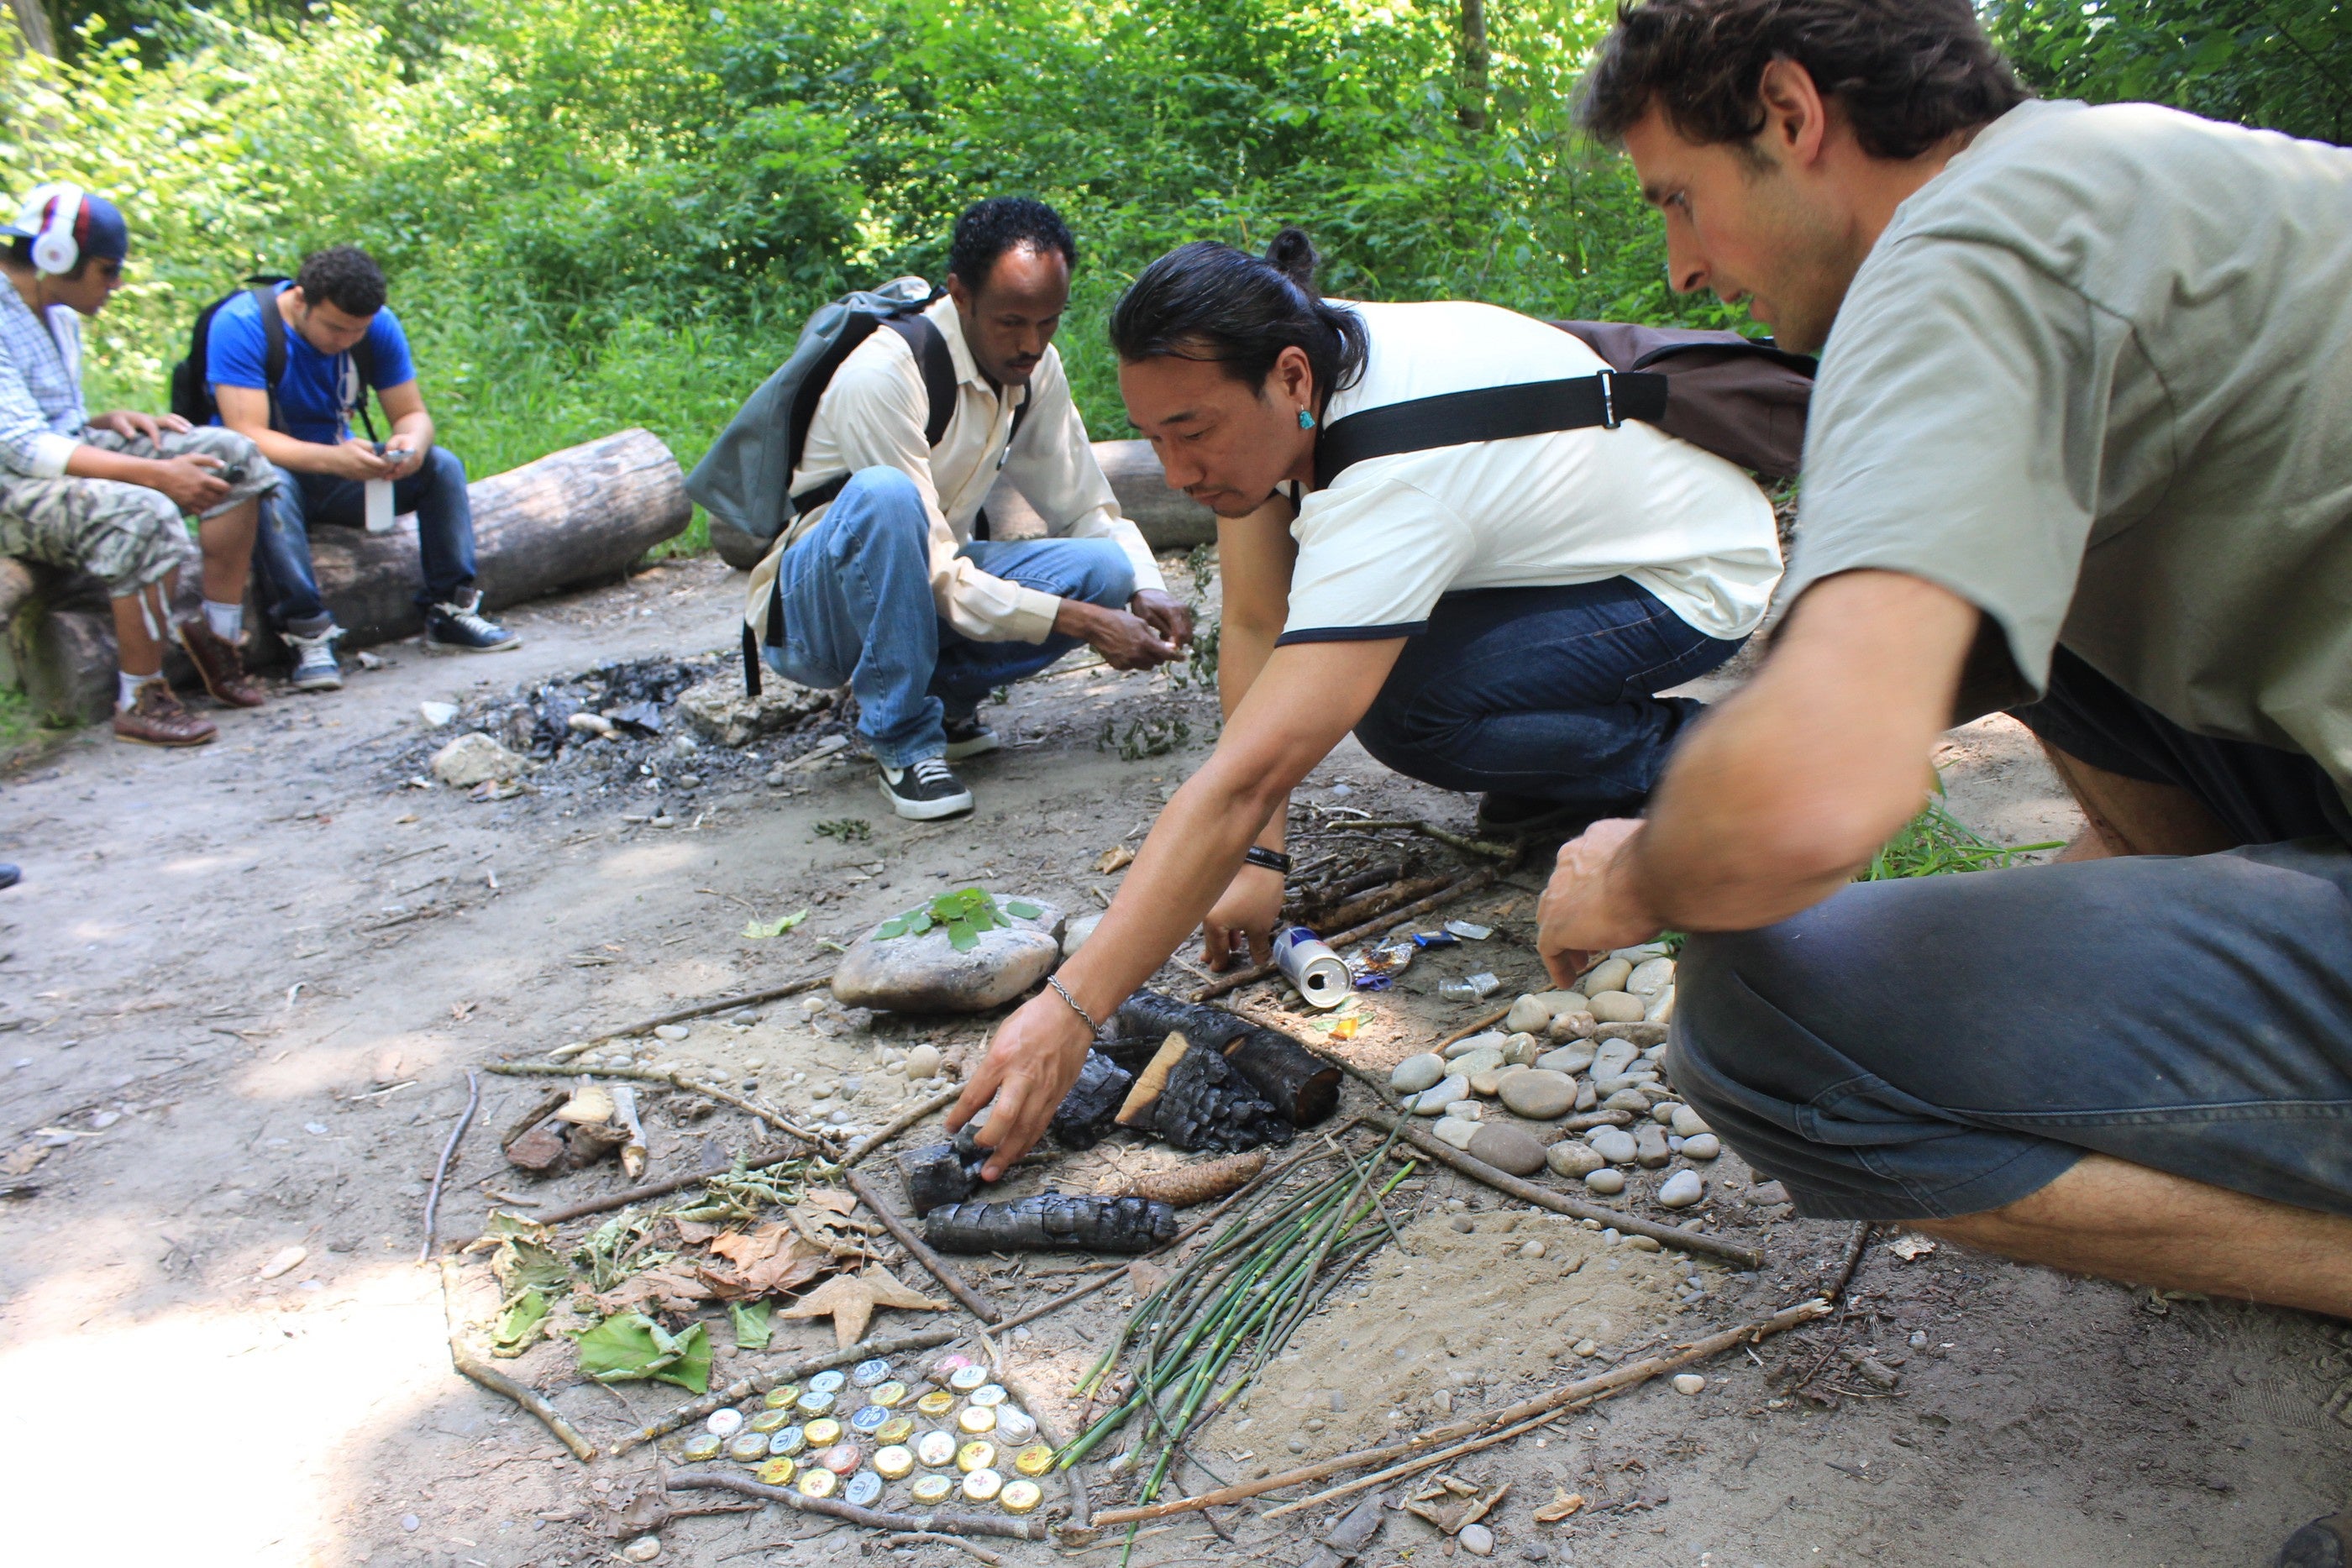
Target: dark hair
x=1908 y=73
x=345 y=277
x=1209 y=301
x=20 y=251
x=990 y=228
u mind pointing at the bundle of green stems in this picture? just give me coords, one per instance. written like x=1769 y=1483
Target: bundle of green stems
x=1232 y=1308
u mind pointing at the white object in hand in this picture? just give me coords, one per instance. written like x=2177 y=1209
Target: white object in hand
x=378 y=506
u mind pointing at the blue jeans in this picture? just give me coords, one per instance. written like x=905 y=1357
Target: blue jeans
x=444 y=536
x=857 y=609
x=1543 y=693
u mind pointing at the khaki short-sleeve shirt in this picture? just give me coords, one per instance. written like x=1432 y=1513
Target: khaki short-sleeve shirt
x=2096 y=379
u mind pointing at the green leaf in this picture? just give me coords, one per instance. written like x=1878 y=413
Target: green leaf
x=760 y=931
x=890 y=928
x=519 y=1324
x=751 y=1326
x=920 y=922
x=961 y=936
x=1022 y=908
x=629 y=1347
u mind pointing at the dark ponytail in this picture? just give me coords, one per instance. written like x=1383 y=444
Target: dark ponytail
x=1209 y=301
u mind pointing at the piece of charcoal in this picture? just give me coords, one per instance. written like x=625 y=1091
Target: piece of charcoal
x=1051 y=1221
x=1207 y=1105
x=1090 y=1109
x=943 y=1173
x=1300 y=1085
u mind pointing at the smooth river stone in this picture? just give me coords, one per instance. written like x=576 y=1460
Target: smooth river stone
x=1619 y=1007
x=924 y=974
x=1649 y=1147
x=1568 y=1059
x=1433 y=1101
x=1571 y=1159
x=1606 y=1182
x=1612 y=1144
x=1491 y=1083
x=1539 y=1095
x=1613 y=1057
x=1471 y=1063
x=1455 y=1131
x=1650 y=978
x=1415 y=1074
x=1689 y=1124
x=1706 y=1147
x=1632 y=1099
x=1521 y=1050
x=1609 y=974
x=1507 y=1148
x=1528 y=1013
x=1682 y=1189
x=1571 y=1026
x=1493 y=1037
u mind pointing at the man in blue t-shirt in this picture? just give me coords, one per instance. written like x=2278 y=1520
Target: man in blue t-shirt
x=337 y=333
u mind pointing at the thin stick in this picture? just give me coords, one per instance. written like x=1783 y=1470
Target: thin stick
x=1468 y=1029
x=749 y=999
x=1544 y=1198
x=1458 y=888
x=462 y=1357
x=1545 y=1406
x=674 y=1080
x=1462 y=841
x=760 y=1382
x=936 y=1538
x=975 y=1303
x=1853 y=1250
x=900 y=1122
x=662 y=1189
x=448 y=1152
x=871 y=1519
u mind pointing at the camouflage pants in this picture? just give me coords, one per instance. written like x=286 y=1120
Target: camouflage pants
x=126 y=534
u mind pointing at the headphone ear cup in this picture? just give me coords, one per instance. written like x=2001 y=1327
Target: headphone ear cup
x=56 y=252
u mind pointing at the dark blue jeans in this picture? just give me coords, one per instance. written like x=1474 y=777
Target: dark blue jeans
x=856 y=592
x=1544 y=692
x=444 y=536
x=1945 y=1045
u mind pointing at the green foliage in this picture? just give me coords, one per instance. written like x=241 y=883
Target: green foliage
x=1936 y=842
x=963 y=914
x=629 y=1347
x=848 y=829
x=760 y=930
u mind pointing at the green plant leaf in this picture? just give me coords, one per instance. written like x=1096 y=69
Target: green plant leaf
x=752 y=1328
x=760 y=931
x=961 y=936
x=518 y=1326
x=629 y=1347
x=889 y=928
x=921 y=922
x=1022 y=908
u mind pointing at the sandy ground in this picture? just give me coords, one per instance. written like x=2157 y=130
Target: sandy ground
x=243 y=985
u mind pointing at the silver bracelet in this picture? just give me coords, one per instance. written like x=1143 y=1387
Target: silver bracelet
x=1063 y=992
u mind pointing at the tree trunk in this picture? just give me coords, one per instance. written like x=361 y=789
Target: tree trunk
x=33 y=29
x=1473 y=65
x=574 y=516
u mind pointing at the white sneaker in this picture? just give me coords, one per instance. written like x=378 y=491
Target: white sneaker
x=315 y=669
x=925 y=791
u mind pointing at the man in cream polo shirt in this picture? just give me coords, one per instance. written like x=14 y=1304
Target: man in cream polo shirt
x=890 y=588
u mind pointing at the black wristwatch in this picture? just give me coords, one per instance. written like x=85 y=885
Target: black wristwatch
x=1272 y=859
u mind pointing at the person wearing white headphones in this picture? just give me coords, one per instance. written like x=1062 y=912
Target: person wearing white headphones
x=106 y=496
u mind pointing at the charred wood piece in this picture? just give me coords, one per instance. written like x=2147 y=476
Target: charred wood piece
x=1090 y=1109
x=1051 y=1221
x=1207 y=1103
x=939 y=1174
x=1302 y=1087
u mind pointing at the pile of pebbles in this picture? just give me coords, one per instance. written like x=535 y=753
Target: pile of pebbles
x=1558 y=1057
x=872 y=1439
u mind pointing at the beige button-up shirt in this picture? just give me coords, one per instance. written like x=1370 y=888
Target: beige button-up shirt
x=873 y=412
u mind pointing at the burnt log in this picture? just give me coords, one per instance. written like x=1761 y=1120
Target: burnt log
x=1303 y=1086
x=1051 y=1221
x=1206 y=1105
x=1090 y=1109
x=939 y=1174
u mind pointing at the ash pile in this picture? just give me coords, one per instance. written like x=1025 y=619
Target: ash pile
x=658 y=733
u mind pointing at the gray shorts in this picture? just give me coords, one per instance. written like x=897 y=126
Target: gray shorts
x=1945 y=1045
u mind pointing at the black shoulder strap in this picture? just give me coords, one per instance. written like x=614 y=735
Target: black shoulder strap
x=1489 y=413
x=273 y=349
x=931 y=350
x=363 y=367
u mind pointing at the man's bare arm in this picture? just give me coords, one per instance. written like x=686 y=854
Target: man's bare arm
x=1786 y=788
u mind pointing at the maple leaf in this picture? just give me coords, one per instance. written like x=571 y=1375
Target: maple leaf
x=839 y=1202
x=769 y=1261
x=849 y=1299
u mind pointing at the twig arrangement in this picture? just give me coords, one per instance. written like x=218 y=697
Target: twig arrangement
x=462 y=1357
x=448 y=1152
x=775 y=1376
x=953 y=1283
x=704 y=1009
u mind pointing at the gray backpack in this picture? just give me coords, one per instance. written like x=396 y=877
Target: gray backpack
x=744 y=481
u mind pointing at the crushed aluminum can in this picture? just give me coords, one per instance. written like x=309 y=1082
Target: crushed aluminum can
x=1469 y=931
x=863 y=1489
x=929 y=1491
x=982 y=1484
x=1471 y=987
x=1307 y=963
x=867 y=1374
x=1014 y=1425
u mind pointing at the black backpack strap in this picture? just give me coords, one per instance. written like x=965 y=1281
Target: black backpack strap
x=363 y=367
x=931 y=352
x=273 y=352
x=1489 y=413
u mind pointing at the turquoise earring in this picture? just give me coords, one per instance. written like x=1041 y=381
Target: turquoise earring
x=1305 y=420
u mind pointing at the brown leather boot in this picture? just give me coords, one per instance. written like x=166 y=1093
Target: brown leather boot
x=217 y=661
x=156 y=718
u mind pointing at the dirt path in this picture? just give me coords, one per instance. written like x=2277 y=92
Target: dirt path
x=243 y=986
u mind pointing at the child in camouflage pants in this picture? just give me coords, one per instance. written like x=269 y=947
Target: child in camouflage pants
x=107 y=494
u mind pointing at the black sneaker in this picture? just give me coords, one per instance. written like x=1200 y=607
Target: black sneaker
x=925 y=791
x=461 y=627
x=2322 y=1543
x=10 y=876
x=967 y=737
x=1502 y=815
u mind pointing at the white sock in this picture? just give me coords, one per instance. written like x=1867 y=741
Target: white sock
x=228 y=620
x=127 y=688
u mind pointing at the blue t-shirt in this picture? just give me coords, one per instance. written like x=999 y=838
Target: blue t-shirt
x=311 y=394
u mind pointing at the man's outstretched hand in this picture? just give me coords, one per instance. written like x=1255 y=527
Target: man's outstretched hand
x=1126 y=642
x=1030 y=1065
x=1591 y=904
x=1164 y=613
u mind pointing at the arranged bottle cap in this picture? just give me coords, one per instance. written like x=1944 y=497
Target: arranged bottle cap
x=1014 y=1425
x=897 y=1429
x=893 y=1463
x=976 y=1420
x=702 y=1446
x=945 y=1367
x=822 y=1434
x=988 y=1393
x=930 y=1489
x=748 y=1448
x=771 y=1420
x=791 y=1441
x=818 y=1481
x=935 y=1449
x=814 y=1404
x=938 y=1402
x=868 y=1418
x=867 y=1374
x=781 y=1396
x=890 y=1393
x=841 y=1458
x=1035 y=1460
x=778 y=1472
x=724 y=1423
x=863 y=1489
x=1019 y=1497
x=967 y=1377
x=975 y=1456
x=827 y=1382
x=982 y=1484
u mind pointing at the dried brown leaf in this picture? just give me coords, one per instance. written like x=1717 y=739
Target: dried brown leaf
x=673 y=1287
x=849 y=1299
